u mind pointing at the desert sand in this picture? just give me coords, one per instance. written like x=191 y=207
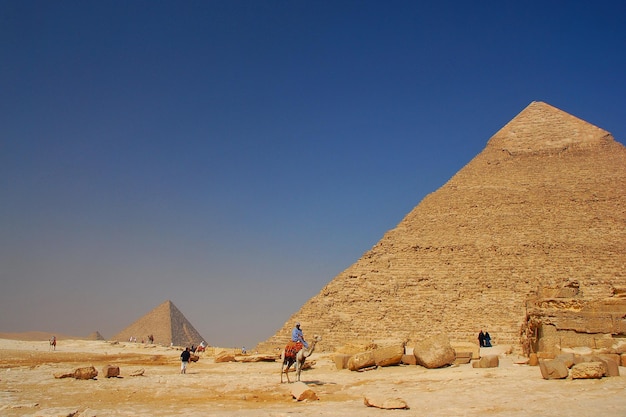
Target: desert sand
x=28 y=387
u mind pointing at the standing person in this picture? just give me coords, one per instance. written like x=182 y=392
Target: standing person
x=298 y=336
x=184 y=360
x=487 y=339
x=481 y=338
x=53 y=343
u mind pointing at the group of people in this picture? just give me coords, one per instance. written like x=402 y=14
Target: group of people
x=484 y=339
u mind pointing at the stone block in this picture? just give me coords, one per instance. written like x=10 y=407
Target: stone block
x=589 y=370
x=110 y=371
x=88 y=372
x=389 y=355
x=341 y=360
x=553 y=369
x=410 y=359
x=361 y=360
x=434 y=352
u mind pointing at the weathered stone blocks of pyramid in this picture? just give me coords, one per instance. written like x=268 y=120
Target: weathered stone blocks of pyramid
x=530 y=234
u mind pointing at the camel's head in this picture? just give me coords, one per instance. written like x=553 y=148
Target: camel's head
x=317 y=337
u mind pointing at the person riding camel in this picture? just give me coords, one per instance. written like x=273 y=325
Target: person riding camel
x=297 y=342
x=297 y=336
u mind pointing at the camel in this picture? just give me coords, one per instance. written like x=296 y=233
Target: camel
x=298 y=360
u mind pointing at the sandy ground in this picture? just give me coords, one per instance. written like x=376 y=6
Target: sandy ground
x=28 y=388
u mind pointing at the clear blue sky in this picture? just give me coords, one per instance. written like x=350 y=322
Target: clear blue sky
x=235 y=156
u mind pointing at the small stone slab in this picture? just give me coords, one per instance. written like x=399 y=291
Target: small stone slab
x=301 y=392
x=385 y=403
x=110 y=371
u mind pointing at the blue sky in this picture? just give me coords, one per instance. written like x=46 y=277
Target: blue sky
x=235 y=156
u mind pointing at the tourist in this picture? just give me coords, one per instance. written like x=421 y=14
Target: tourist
x=184 y=360
x=487 y=339
x=481 y=338
x=53 y=343
x=297 y=336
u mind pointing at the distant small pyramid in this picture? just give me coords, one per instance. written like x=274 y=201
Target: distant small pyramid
x=95 y=336
x=166 y=323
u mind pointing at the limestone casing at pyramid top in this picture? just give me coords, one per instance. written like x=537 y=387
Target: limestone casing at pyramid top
x=541 y=127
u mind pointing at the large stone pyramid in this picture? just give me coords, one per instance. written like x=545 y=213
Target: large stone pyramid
x=167 y=324
x=528 y=241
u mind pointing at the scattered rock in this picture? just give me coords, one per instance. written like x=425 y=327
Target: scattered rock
x=611 y=361
x=110 y=371
x=301 y=392
x=434 y=352
x=533 y=360
x=589 y=370
x=389 y=355
x=88 y=372
x=489 y=361
x=59 y=375
x=361 y=360
x=385 y=403
x=553 y=369
x=137 y=372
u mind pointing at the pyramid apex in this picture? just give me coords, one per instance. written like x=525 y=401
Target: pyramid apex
x=543 y=128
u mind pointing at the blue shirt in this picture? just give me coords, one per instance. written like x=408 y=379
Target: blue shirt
x=297 y=336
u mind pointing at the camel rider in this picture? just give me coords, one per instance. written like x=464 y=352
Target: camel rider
x=297 y=336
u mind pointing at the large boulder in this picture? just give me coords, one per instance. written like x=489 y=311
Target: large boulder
x=88 y=372
x=362 y=360
x=389 y=355
x=612 y=363
x=553 y=369
x=434 y=352
x=589 y=370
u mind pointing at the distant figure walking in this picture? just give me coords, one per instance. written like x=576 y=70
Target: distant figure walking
x=151 y=339
x=487 y=339
x=53 y=343
x=184 y=360
x=481 y=338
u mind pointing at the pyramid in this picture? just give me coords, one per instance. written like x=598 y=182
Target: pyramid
x=95 y=336
x=527 y=241
x=166 y=323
